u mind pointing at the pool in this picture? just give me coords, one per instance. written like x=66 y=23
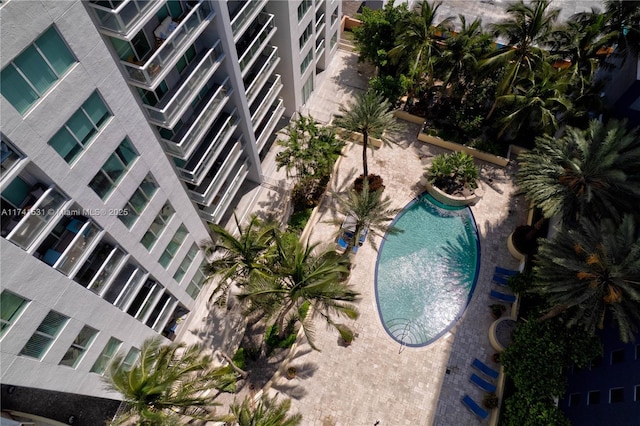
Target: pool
x=426 y=274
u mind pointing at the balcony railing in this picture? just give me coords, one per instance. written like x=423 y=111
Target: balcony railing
x=264 y=71
x=126 y=16
x=82 y=243
x=258 y=42
x=319 y=3
x=147 y=72
x=177 y=100
x=214 y=212
x=319 y=49
x=195 y=169
x=204 y=193
x=265 y=99
x=263 y=132
x=241 y=20
x=186 y=141
x=319 y=23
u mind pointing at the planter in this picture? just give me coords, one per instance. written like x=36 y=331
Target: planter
x=453 y=200
x=500 y=333
x=513 y=250
x=292 y=372
x=480 y=155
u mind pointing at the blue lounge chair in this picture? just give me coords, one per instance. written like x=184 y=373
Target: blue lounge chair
x=343 y=244
x=482 y=383
x=500 y=280
x=474 y=407
x=484 y=368
x=505 y=272
x=509 y=298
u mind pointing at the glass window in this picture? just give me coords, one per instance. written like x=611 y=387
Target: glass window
x=79 y=346
x=35 y=70
x=186 y=59
x=158 y=225
x=81 y=128
x=593 y=398
x=308 y=32
x=11 y=305
x=106 y=356
x=196 y=284
x=617 y=356
x=616 y=395
x=150 y=97
x=9 y=156
x=113 y=169
x=138 y=201
x=307 y=89
x=173 y=246
x=303 y=7
x=306 y=61
x=184 y=266
x=44 y=335
x=334 y=39
x=130 y=359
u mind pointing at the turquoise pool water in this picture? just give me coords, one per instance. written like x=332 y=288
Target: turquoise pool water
x=426 y=273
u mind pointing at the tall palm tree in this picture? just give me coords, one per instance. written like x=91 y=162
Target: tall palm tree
x=167 y=382
x=267 y=412
x=304 y=280
x=591 y=172
x=369 y=115
x=418 y=37
x=623 y=24
x=526 y=32
x=591 y=272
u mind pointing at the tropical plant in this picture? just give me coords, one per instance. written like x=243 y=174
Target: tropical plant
x=267 y=412
x=623 y=25
x=369 y=115
x=167 y=383
x=593 y=172
x=302 y=281
x=453 y=172
x=592 y=272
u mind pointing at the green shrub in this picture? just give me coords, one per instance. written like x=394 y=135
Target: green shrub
x=238 y=359
x=299 y=219
x=453 y=172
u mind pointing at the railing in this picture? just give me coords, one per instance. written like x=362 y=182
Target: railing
x=318 y=4
x=175 y=102
x=319 y=22
x=193 y=170
x=319 y=49
x=146 y=72
x=256 y=45
x=82 y=242
x=205 y=192
x=266 y=101
x=201 y=124
x=214 y=212
x=262 y=138
x=244 y=15
x=122 y=19
x=262 y=75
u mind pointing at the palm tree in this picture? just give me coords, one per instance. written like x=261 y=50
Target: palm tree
x=369 y=209
x=623 y=24
x=592 y=172
x=591 y=272
x=268 y=412
x=526 y=32
x=418 y=36
x=369 y=115
x=168 y=383
x=304 y=280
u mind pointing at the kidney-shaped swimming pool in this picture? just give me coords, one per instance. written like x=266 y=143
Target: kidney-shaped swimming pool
x=426 y=273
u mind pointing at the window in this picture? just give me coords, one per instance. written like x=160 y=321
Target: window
x=158 y=225
x=308 y=32
x=593 y=398
x=334 y=16
x=145 y=299
x=44 y=335
x=196 y=284
x=303 y=7
x=616 y=395
x=113 y=169
x=79 y=346
x=11 y=305
x=152 y=97
x=9 y=156
x=186 y=59
x=130 y=359
x=173 y=246
x=306 y=61
x=617 y=357
x=574 y=399
x=334 y=39
x=81 y=128
x=138 y=201
x=134 y=51
x=171 y=8
x=184 y=266
x=34 y=71
x=106 y=356
x=636 y=393
x=307 y=89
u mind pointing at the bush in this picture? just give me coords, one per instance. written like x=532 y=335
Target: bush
x=490 y=400
x=454 y=172
x=239 y=360
x=299 y=219
x=272 y=341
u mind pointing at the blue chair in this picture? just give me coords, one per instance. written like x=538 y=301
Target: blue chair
x=509 y=298
x=500 y=280
x=484 y=368
x=342 y=244
x=505 y=272
x=474 y=407
x=482 y=383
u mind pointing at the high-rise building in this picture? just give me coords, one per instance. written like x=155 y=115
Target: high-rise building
x=126 y=126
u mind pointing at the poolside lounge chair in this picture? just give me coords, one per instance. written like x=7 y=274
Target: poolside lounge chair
x=500 y=280
x=482 y=383
x=475 y=407
x=343 y=244
x=509 y=298
x=505 y=272
x=484 y=368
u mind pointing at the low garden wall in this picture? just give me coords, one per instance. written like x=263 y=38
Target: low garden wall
x=451 y=200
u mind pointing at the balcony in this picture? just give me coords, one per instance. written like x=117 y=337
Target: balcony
x=265 y=129
x=216 y=210
x=320 y=23
x=254 y=41
x=260 y=72
x=149 y=71
x=242 y=13
x=319 y=4
x=209 y=149
x=264 y=99
x=204 y=193
x=186 y=140
x=319 y=49
x=173 y=105
x=127 y=18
